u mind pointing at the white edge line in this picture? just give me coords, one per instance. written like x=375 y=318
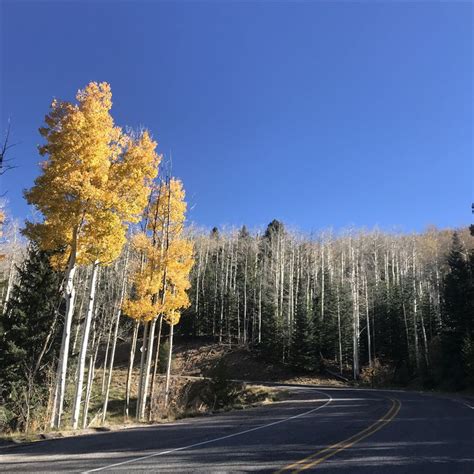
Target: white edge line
x=161 y=453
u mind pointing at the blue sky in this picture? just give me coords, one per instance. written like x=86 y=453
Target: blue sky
x=321 y=114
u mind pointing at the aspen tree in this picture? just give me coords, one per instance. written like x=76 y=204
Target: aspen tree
x=160 y=285
x=124 y=199
x=78 y=141
x=91 y=184
x=355 y=311
x=179 y=261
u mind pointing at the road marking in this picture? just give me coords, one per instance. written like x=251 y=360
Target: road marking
x=162 y=453
x=315 y=459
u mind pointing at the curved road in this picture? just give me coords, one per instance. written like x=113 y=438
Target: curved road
x=330 y=430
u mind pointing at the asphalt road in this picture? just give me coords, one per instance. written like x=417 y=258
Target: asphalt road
x=318 y=429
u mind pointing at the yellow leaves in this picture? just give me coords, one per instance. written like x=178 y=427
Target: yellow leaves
x=102 y=238
x=2 y=221
x=140 y=242
x=132 y=174
x=172 y=317
x=142 y=309
x=95 y=180
x=161 y=278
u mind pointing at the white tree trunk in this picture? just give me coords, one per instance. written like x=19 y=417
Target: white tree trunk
x=339 y=332
x=322 y=282
x=168 y=369
x=355 y=316
x=70 y=294
x=84 y=344
x=142 y=368
x=106 y=357
x=11 y=273
x=146 y=376
x=245 y=298
x=423 y=330
x=367 y=315
x=415 y=314
x=128 y=388
x=155 y=370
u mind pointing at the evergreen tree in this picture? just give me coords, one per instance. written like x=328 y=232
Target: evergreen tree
x=29 y=339
x=304 y=347
x=272 y=337
x=244 y=233
x=272 y=330
x=459 y=314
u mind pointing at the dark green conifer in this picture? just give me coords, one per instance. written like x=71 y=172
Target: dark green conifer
x=28 y=336
x=459 y=315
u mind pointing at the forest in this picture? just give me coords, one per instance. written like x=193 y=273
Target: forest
x=109 y=260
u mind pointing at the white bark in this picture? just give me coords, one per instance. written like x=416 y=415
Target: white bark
x=168 y=369
x=128 y=388
x=142 y=368
x=355 y=317
x=155 y=369
x=84 y=344
x=70 y=294
x=367 y=315
x=415 y=314
x=146 y=375
x=11 y=273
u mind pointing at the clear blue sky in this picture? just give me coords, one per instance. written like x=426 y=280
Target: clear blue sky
x=317 y=113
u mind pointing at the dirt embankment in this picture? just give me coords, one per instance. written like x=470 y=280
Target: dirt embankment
x=203 y=360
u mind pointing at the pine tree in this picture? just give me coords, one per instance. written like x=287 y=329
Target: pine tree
x=29 y=341
x=459 y=314
x=272 y=341
x=304 y=348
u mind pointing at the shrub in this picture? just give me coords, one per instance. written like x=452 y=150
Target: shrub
x=378 y=375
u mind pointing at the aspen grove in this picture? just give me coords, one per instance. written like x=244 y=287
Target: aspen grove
x=96 y=182
x=362 y=303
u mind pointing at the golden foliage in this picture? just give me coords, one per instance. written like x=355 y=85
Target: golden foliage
x=161 y=279
x=96 y=179
x=2 y=221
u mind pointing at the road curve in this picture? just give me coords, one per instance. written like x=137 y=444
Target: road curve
x=331 y=430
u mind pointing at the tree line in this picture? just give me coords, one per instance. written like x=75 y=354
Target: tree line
x=347 y=303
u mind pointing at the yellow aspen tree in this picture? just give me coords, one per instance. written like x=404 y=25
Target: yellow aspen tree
x=142 y=304
x=147 y=281
x=130 y=179
x=160 y=284
x=81 y=193
x=178 y=261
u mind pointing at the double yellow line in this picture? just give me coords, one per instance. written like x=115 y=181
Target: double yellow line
x=326 y=453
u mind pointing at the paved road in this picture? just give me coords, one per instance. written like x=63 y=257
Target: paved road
x=328 y=430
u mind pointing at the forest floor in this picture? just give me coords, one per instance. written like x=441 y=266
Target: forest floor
x=238 y=363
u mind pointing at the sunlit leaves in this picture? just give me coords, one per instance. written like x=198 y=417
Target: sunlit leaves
x=161 y=278
x=95 y=181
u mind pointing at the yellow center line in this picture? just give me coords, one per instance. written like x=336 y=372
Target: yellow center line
x=315 y=459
